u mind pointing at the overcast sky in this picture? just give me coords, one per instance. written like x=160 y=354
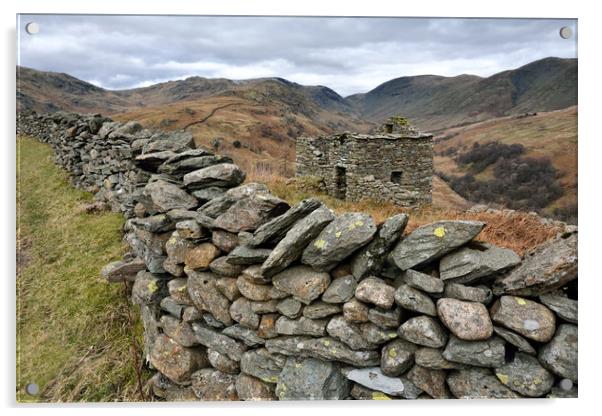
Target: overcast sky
x=349 y=55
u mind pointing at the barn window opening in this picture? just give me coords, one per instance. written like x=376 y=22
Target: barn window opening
x=341 y=182
x=396 y=176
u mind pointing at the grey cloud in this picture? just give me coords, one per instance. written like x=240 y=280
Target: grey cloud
x=348 y=54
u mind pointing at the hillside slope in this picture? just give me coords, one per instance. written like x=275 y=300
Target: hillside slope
x=434 y=102
x=551 y=135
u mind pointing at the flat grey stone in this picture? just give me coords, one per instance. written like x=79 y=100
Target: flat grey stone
x=311 y=379
x=374 y=379
x=339 y=240
x=423 y=330
x=340 y=290
x=291 y=247
x=478 y=383
x=488 y=353
x=371 y=258
x=467 y=265
x=414 y=300
x=560 y=355
x=547 y=267
x=526 y=376
x=423 y=281
x=275 y=230
x=564 y=307
x=432 y=241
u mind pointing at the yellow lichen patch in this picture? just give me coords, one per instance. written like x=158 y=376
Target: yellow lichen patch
x=520 y=301
x=326 y=343
x=439 y=232
x=152 y=286
x=270 y=379
x=333 y=350
x=392 y=335
x=297 y=365
x=338 y=234
x=392 y=353
x=537 y=381
x=503 y=378
x=320 y=243
x=377 y=395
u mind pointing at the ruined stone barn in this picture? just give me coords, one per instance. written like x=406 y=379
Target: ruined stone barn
x=394 y=164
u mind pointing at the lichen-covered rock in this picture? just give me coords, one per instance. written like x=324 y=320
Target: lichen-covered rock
x=213 y=339
x=241 y=312
x=175 y=361
x=224 y=175
x=227 y=286
x=148 y=288
x=200 y=257
x=397 y=357
x=224 y=240
x=488 y=353
x=414 y=300
x=301 y=326
x=291 y=247
x=423 y=330
x=289 y=307
x=467 y=320
x=423 y=281
x=432 y=382
x=528 y=318
x=339 y=240
x=543 y=269
x=262 y=364
x=560 y=354
x=249 y=213
x=258 y=292
x=118 y=271
x=222 y=363
x=478 y=383
x=213 y=385
x=526 y=376
x=250 y=388
x=371 y=258
x=432 y=241
x=340 y=290
x=355 y=311
x=172 y=392
x=267 y=326
x=203 y=290
x=304 y=283
x=467 y=265
x=384 y=318
x=349 y=333
x=327 y=349
x=167 y=196
x=318 y=310
x=275 y=230
x=311 y=379
x=220 y=266
x=247 y=336
x=374 y=379
x=564 y=307
x=433 y=358
x=181 y=332
x=376 y=291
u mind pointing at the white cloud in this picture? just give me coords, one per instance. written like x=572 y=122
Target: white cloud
x=347 y=54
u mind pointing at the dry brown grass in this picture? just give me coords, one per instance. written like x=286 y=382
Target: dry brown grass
x=515 y=230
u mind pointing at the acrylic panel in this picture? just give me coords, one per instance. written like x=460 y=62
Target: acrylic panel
x=225 y=208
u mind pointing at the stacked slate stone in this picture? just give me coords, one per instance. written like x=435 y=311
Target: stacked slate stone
x=244 y=297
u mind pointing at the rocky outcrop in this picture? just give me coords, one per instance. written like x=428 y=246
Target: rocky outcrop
x=243 y=297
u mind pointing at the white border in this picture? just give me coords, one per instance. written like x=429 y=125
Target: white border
x=590 y=151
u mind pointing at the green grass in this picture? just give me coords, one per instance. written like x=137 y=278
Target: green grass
x=73 y=337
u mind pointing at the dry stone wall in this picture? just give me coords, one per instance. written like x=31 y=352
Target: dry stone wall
x=244 y=297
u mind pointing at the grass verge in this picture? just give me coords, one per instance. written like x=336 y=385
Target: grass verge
x=73 y=338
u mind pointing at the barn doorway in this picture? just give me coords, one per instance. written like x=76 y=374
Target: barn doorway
x=340 y=182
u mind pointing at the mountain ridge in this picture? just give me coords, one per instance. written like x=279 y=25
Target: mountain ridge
x=432 y=102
